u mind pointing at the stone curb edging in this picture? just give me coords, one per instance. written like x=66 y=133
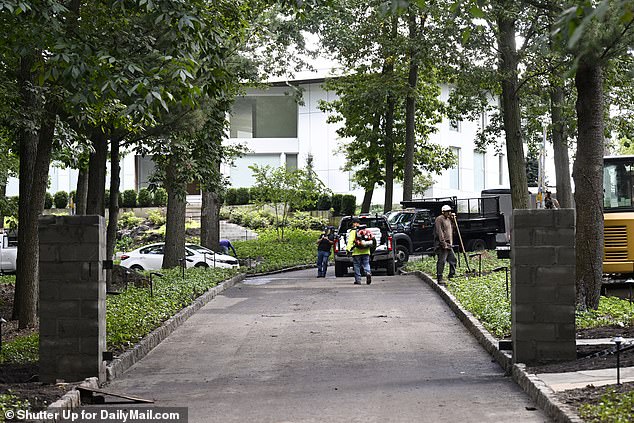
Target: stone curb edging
x=130 y=357
x=538 y=390
x=70 y=399
x=286 y=269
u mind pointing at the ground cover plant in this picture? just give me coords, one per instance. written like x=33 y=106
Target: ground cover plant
x=270 y=253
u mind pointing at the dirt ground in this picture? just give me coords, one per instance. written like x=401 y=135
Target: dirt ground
x=22 y=380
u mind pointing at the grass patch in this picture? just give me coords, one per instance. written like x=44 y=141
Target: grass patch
x=485 y=297
x=297 y=248
x=7 y=279
x=613 y=407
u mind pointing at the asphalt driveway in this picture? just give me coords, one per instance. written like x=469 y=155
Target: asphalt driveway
x=294 y=348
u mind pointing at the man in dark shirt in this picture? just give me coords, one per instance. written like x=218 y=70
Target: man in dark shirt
x=324 y=244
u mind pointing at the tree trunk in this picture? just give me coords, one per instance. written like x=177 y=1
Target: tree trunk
x=511 y=112
x=209 y=222
x=113 y=206
x=389 y=154
x=588 y=177
x=560 y=148
x=175 y=222
x=81 y=192
x=410 y=113
x=28 y=237
x=95 y=203
x=3 y=194
x=367 y=200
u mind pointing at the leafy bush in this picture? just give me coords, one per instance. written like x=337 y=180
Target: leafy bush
x=145 y=198
x=157 y=217
x=129 y=221
x=24 y=349
x=348 y=204
x=231 y=197
x=60 y=199
x=129 y=198
x=303 y=220
x=225 y=213
x=9 y=401
x=256 y=219
x=324 y=202
x=612 y=311
x=242 y=196
x=160 y=197
x=48 y=201
x=335 y=203
x=134 y=313
x=125 y=244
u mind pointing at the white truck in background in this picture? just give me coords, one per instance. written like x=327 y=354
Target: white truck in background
x=8 y=255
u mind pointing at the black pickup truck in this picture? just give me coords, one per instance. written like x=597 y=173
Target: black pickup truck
x=479 y=221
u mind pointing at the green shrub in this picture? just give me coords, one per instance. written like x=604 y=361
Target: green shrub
x=9 y=401
x=324 y=202
x=242 y=196
x=257 y=219
x=160 y=197
x=7 y=279
x=129 y=221
x=612 y=311
x=145 y=198
x=129 y=198
x=157 y=217
x=348 y=205
x=60 y=199
x=335 y=203
x=231 y=197
x=48 y=201
x=303 y=220
x=225 y=213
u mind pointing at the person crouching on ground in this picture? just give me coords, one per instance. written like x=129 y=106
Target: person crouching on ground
x=324 y=245
x=444 y=234
x=360 y=254
x=225 y=245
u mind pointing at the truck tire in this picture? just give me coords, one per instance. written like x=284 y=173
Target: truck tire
x=477 y=245
x=390 y=266
x=340 y=269
x=401 y=255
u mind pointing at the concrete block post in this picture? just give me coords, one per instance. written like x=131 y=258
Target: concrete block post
x=72 y=298
x=543 y=286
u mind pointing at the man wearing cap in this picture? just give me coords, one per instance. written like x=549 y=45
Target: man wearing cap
x=443 y=230
x=360 y=255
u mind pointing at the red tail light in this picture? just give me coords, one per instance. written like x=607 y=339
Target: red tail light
x=389 y=243
x=123 y=257
x=336 y=245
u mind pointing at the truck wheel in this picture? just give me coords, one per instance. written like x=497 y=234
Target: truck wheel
x=390 y=267
x=401 y=255
x=340 y=269
x=477 y=245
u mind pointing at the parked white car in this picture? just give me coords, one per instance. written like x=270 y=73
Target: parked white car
x=150 y=257
x=8 y=255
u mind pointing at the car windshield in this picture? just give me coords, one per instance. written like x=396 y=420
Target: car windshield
x=199 y=249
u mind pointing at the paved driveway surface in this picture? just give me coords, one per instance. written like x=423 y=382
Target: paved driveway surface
x=293 y=348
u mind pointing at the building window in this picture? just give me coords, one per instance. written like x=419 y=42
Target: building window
x=455 y=125
x=501 y=169
x=454 y=172
x=291 y=162
x=264 y=117
x=484 y=119
x=478 y=171
x=242 y=176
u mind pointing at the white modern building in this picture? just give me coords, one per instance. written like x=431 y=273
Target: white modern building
x=280 y=132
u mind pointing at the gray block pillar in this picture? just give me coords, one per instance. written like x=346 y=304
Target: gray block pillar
x=72 y=298
x=543 y=286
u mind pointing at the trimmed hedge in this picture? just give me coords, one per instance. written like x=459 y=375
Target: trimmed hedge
x=48 y=201
x=160 y=197
x=60 y=199
x=145 y=198
x=129 y=198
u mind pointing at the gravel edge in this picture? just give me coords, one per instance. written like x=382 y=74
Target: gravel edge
x=536 y=389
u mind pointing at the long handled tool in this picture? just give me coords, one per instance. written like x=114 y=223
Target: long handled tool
x=466 y=259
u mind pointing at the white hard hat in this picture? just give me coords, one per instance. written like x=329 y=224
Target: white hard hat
x=446 y=208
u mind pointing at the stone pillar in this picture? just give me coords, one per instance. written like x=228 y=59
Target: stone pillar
x=543 y=286
x=72 y=298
